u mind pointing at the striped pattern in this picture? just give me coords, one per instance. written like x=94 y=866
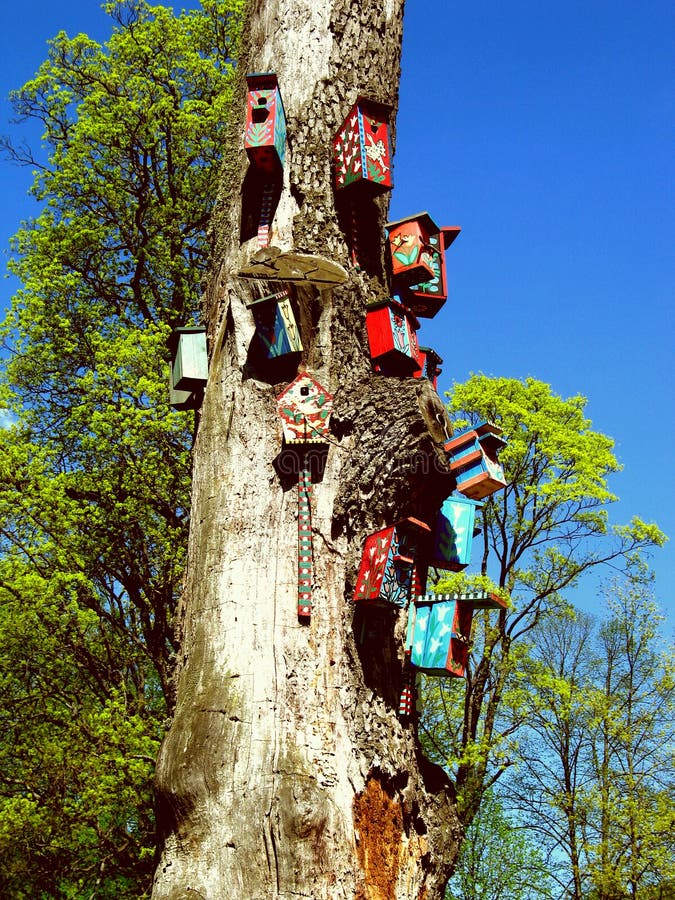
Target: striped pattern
x=265 y=215
x=305 y=550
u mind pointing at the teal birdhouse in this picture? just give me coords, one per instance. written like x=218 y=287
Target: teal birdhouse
x=454 y=533
x=439 y=630
x=189 y=367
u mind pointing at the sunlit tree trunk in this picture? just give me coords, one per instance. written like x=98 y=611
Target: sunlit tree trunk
x=287 y=771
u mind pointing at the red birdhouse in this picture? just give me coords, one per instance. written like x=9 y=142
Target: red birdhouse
x=386 y=574
x=473 y=460
x=265 y=136
x=305 y=408
x=431 y=295
x=430 y=365
x=361 y=148
x=417 y=246
x=392 y=338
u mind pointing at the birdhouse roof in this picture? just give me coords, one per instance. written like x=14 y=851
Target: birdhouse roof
x=423 y=218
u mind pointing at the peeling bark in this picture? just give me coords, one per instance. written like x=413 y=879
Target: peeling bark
x=287 y=771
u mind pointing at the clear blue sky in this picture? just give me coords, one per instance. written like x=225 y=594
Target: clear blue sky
x=545 y=131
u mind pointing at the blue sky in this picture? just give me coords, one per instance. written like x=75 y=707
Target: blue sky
x=545 y=131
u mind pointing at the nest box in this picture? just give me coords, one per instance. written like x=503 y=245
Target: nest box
x=453 y=534
x=439 y=630
x=386 y=571
x=189 y=367
x=431 y=295
x=362 y=149
x=417 y=249
x=275 y=324
x=305 y=408
x=430 y=365
x=265 y=136
x=392 y=338
x=473 y=460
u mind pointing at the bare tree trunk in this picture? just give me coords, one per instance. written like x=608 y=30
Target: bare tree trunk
x=287 y=771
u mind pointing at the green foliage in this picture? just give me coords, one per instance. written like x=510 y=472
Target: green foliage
x=540 y=534
x=95 y=470
x=595 y=774
x=497 y=860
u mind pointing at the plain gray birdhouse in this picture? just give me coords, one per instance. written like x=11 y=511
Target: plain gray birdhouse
x=189 y=367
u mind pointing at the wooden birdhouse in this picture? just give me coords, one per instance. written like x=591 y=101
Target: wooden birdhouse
x=389 y=556
x=453 y=534
x=473 y=460
x=439 y=632
x=430 y=365
x=429 y=296
x=362 y=149
x=265 y=136
x=416 y=246
x=275 y=324
x=305 y=408
x=189 y=367
x=392 y=338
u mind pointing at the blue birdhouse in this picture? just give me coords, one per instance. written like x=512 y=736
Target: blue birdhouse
x=439 y=630
x=473 y=460
x=454 y=533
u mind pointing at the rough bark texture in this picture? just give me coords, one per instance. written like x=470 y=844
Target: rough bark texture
x=287 y=771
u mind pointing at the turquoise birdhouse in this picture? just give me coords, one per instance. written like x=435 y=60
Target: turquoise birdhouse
x=454 y=533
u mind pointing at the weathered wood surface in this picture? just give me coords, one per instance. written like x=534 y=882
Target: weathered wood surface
x=286 y=771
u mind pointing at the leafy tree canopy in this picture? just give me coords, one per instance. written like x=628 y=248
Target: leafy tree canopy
x=540 y=534
x=94 y=472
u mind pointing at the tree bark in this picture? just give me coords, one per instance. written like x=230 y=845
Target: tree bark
x=287 y=771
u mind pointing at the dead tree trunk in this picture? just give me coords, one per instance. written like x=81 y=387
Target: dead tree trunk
x=287 y=771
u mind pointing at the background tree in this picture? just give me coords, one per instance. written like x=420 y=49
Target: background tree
x=630 y=803
x=499 y=860
x=539 y=535
x=94 y=478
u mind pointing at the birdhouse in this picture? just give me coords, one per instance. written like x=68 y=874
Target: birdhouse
x=429 y=296
x=275 y=324
x=473 y=460
x=305 y=408
x=361 y=148
x=430 y=365
x=189 y=367
x=454 y=533
x=386 y=571
x=265 y=137
x=439 y=632
x=392 y=338
x=416 y=246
